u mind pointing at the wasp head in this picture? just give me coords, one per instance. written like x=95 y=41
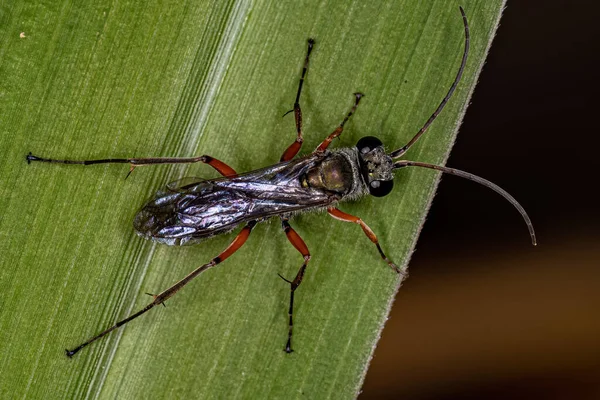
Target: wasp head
x=376 y=166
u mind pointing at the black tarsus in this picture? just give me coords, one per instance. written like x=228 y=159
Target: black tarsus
x=311 y=43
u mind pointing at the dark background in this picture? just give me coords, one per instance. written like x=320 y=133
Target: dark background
x=484 y=314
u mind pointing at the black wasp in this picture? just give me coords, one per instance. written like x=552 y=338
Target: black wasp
x=187 y=212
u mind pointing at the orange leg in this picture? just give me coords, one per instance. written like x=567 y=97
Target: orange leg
x=299 y=244
x=342 y=216
x=338 y=131
x=220 y=166
x=239 y=240
x=294 y=148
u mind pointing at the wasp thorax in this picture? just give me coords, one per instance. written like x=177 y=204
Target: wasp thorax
x=376 y=166
x=334 y=173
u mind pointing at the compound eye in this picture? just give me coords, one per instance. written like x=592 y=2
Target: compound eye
x=380 y=188
x=367 y=144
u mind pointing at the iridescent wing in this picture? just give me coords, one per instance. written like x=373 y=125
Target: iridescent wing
x=194 y=209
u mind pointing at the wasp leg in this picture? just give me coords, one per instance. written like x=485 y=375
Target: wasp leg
x=294 y=148
x=299 y=244
x=218 y=165
x=342 y=216
x=338 y=131
x=239 y=240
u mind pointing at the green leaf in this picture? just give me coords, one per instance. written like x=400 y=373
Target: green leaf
x=121 y=79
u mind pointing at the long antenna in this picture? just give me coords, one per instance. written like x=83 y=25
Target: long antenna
x=397 y=153
x=481 y=181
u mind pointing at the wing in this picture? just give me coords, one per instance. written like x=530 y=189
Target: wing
x=195 y=210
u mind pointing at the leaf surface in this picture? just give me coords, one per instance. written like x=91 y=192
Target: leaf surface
x=115 y=79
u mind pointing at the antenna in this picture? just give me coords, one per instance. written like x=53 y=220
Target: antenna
x=481 y=181
x=397 y=153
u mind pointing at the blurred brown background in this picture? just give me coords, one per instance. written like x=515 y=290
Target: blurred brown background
x=484 y=314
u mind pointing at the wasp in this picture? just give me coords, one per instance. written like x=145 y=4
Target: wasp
x=190 y=211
